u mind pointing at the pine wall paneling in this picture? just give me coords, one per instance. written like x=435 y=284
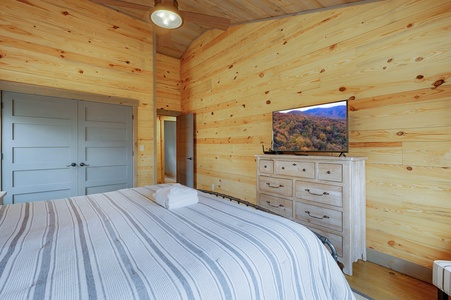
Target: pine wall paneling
x=81 y=48
x=391 y=59
x=167 y=78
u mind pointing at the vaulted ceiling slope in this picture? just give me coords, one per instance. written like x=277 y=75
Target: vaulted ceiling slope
x=174 y=42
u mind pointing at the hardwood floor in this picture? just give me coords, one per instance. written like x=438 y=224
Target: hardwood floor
x=384 y=284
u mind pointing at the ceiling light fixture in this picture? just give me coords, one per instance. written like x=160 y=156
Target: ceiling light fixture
x=166 y=15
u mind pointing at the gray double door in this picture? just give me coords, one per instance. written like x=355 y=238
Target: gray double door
x=55 y=148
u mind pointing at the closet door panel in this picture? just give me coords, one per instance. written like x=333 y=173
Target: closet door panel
x=39 y=143
x=105 y=147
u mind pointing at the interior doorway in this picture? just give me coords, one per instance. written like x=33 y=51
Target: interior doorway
x=175 y=148
x=166 y=150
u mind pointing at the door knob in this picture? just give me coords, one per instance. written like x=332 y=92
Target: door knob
x=83 y=165
x=72 y=165
x=190 y=158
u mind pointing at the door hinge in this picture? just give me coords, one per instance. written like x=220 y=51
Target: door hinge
x=133 y=117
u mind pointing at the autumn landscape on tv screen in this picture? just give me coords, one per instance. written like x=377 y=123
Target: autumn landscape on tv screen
x=321 y=128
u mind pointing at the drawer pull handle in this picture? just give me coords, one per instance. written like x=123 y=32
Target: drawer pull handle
x=272 y=205
x=283 y=168
x=328 y=172
x=315 y=217
x=273 y=186
x=303 y=170
x=264 y=167
x=294 y=165
x=315 y=194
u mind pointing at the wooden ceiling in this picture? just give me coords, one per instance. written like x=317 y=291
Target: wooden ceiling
x=238 y=11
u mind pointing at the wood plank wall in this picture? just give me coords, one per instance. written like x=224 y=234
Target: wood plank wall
x=167 y=78
x=82 y=47
x=391 y=59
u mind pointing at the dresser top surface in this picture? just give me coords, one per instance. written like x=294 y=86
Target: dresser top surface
x=310 y=157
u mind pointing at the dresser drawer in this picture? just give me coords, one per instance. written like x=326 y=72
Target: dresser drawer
x=297 y=169
x=274 y=185
x=330 y=172
x=320 y=216
x=280 y=206
x=318 y=192
x=336 y=240
x=266 y=166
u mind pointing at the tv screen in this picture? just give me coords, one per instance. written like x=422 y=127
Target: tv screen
x=313 y=128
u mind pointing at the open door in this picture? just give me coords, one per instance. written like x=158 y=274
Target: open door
x=185 y=150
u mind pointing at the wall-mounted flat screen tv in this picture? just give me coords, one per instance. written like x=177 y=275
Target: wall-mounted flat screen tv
x=315 y=128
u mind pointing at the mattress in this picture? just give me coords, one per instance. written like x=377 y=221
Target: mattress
x=123 y=245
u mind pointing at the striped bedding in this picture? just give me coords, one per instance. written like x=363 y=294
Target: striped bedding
x=122 y=245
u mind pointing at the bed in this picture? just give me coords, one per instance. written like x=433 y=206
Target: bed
x=123 y=245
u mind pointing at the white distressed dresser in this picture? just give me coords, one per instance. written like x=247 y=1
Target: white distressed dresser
x=327 y=194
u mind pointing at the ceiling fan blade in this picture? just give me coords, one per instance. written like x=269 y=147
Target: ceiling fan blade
x=124 y=4
x=206 y=20
x=134 y=10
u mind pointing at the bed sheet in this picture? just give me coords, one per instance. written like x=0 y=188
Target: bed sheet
x=122 y=245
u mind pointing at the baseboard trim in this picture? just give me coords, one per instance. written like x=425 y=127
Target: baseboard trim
x=400 y=265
